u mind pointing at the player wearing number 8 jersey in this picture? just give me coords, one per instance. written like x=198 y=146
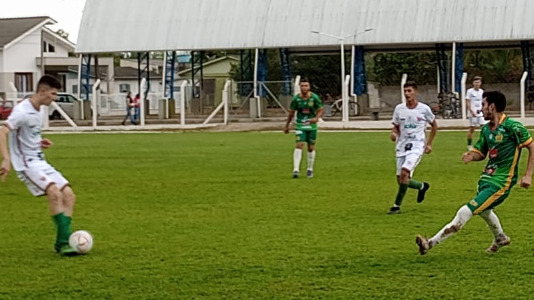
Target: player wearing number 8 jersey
x=409 y=132
x=501 y=140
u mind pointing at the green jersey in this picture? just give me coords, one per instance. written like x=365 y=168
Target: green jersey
x=306 y=109
x=503 y=148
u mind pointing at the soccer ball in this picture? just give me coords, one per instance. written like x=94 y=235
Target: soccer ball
x=82 y=241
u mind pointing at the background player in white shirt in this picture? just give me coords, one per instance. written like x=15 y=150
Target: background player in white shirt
x=25 y=153
x=473 y=101
x=409 y=125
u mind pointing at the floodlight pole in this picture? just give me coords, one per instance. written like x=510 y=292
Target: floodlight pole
x=341 y=39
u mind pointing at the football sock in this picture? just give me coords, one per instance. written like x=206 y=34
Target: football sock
x=297 y=155
x=63 y=229
x=311 y=159
x=462 y=216
x=469 y=142
x=414 y=184
x=493 y=222
x=400 y=194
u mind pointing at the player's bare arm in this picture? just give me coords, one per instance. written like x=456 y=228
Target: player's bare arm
x=526 y=180
x=46 y=143
x=394 y=132
x=433 y=131
x=6 y=160
x=289 y=118
x=470 y=156
x=318 y=117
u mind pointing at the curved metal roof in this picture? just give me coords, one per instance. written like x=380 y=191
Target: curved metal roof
x=140 y=25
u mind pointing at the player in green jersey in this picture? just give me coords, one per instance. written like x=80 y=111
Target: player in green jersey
x=309 y=109
x=501 y=140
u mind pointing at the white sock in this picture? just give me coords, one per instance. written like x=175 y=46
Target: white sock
x=311 y=159
x=462 y=216
x=493 y=222
x=297 y=155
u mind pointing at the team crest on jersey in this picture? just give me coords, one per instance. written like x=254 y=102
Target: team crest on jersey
x=498 y=137
x=473 y=202
x=493 y=153
x=310 y=104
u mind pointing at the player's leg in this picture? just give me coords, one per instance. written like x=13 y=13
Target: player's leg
x=297 y=153
x=403 y=178
x=470 y=136
x=311 y=139
x=500 y=238
x=411 y=162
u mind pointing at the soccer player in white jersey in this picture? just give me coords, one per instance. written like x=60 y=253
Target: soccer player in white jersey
x=25 y=153
x=473 y=101
x=409 y=132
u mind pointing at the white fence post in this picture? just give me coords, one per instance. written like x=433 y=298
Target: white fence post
x=403 y=82
x=94 y=100
x=522 y=94
x=182 y=102
x=296 y=86
x=142 y=99
x=462 y=96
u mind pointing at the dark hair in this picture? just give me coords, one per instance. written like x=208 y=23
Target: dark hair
x=304 y=79
x=411 y=84
x=48 y=81
x=477 y=78
x=497 y=98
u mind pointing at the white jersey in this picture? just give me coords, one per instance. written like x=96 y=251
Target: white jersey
x=412 y=124
x=475 y=101
x=25 y=136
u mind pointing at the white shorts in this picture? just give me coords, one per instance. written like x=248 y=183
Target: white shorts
x=476 y=121
x=408 y=162
x=39 y=175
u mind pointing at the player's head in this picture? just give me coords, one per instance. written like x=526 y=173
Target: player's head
x=477 y=82
x=410 y=89
x=47 y=88
x=493 y=102
x=304 y=85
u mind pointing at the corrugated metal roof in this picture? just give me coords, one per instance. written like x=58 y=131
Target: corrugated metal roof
x=140 y=25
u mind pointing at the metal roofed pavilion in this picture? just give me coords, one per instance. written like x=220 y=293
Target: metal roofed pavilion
x=140 y=25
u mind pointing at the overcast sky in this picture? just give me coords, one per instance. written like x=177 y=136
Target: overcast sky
x=67 y=13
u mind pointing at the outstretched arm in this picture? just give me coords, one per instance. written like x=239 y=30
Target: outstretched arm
x=526 y=180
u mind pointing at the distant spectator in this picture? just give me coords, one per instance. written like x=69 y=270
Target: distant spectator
x=129 y=108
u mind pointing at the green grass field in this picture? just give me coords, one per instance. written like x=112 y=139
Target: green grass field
x=218 y=216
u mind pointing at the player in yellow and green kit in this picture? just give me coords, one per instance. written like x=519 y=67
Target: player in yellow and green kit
x=501 y=140
x=309 y=109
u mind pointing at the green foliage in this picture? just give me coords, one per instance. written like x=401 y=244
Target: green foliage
x=217 y=216
x=388 y=68
x=495 y=66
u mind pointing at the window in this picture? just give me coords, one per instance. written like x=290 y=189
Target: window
x=24 y=82
x=48 y=48
x=75 y=89
x=124 y=88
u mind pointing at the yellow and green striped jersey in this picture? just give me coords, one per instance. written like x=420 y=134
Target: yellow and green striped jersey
x=502 y=146
x=306 y=109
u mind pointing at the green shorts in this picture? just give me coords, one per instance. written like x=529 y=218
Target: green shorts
x=488 y=196
x=306 y=136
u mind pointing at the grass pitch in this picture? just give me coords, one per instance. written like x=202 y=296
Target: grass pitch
x=218 y=216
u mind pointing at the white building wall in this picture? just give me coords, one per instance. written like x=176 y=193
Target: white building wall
x=20 y=57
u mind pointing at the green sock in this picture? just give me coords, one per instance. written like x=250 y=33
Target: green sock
x=63 y=229
x=400 y=194
x=414 y=184
x=469 y=142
